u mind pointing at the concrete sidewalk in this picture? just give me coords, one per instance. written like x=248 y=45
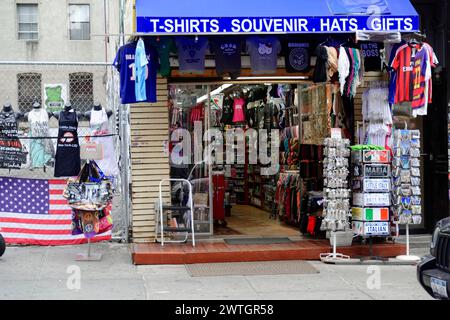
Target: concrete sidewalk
x=51 y=272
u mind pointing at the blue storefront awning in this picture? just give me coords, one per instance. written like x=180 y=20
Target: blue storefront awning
x=280 y=16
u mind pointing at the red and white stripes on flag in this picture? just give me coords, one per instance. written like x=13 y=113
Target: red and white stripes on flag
x=34 y=212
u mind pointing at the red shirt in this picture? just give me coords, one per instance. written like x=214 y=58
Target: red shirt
x=403 y=65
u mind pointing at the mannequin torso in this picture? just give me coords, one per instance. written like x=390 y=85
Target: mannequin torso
x=68 y=108
x=37 y=107
x=8 y=111
x=97 y=107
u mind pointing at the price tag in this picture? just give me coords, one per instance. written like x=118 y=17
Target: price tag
x=91 y=151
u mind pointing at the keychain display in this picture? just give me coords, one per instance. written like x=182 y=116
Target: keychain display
x=406 y=177
x=336 y=191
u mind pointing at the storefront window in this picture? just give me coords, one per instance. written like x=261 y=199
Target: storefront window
x=29 y=90
x=188 y=123
x=79 y=20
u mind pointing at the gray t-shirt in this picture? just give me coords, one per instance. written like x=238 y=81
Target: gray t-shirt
x=263 y=53
x=191 y=54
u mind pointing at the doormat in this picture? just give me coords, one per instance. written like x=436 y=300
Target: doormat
x=257 y=240
x=224 y=231
x=250 y=268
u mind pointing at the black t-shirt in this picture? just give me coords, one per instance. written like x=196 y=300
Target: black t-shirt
x=227 y=111
x=371 y=54
x=297 y=56
x=228 y=55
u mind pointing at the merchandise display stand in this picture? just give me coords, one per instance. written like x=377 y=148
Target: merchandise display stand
x=371 y=257
x=89 y=195
x=407 y=192
x=89 y=256
x=407 y=257
x=333 y=257
x=336 y=193
x=371 y=184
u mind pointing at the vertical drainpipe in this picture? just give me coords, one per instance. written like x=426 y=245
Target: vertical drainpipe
x=128 y=149
x=106 y=29
x=121 y=22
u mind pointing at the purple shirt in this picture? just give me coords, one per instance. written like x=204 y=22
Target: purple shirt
x=263 y=53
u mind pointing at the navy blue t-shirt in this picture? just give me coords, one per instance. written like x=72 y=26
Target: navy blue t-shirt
x=124 y=63
x=228 y=55
x=371 y=53
x=296 y=55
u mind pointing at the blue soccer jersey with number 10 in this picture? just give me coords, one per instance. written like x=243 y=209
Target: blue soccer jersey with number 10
x=125 y=63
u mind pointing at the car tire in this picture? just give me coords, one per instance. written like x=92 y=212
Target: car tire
x=2 y=245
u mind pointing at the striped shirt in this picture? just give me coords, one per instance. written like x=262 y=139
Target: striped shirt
x=403 y=65
x=421 y=76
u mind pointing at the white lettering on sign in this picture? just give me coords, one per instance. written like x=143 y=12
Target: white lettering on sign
x=335 y=24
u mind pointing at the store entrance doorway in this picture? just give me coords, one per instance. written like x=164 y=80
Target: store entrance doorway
x=246 y=220
x=234 y=188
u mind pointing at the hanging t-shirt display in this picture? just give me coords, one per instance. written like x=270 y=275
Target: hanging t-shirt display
x=238 y=110
x=403 y=65
x=191 y=54
x=11 y=151
x=413 y=78
x=296 y=56
x=67 y=159
x=263 y=53
x=420 y=76
x=125 y=64
x=41 y=150
x=228 y=55
x=140 y=71
x=99 y=126
x=165 y=46
x=371 y=53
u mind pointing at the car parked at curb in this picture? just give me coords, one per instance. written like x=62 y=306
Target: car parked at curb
x=433 y=272
x=2 y=245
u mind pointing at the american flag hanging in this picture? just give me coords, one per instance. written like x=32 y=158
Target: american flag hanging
x=34 y=212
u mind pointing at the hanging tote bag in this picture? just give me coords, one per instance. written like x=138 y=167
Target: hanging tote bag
x=90 y=191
